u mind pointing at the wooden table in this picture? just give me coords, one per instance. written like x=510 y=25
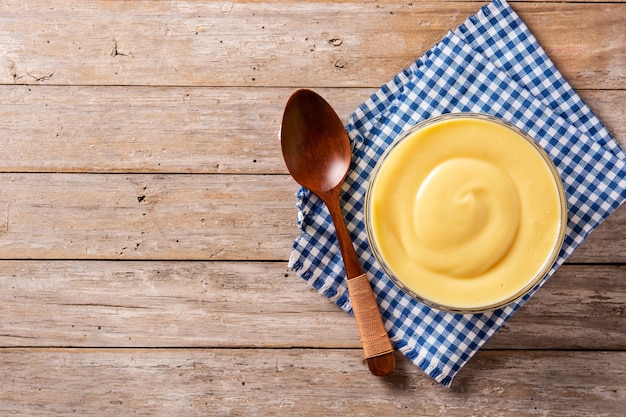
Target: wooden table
x=146 y=216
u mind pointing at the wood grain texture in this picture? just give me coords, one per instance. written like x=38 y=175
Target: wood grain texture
x=184 y=217
x=83 y=216
x=190 y=43
x=261 y=305
x=146 y=216
x=581 y=306
x=303 y=382
x=174 y=129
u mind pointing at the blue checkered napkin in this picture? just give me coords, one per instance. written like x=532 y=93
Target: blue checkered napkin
x=491 y=64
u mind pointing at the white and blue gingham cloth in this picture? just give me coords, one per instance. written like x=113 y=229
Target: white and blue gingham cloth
x=491 y=64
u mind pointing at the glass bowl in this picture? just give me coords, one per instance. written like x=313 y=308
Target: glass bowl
x=465 y=212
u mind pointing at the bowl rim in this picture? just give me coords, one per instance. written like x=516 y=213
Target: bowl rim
x=548 y=263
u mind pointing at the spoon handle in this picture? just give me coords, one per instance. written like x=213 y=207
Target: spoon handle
x=377 y=348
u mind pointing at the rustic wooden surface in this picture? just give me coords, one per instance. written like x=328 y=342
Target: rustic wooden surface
x=146 y=216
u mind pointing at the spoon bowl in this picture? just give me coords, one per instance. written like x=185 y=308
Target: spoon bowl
x=317 y=153
x=314 y=142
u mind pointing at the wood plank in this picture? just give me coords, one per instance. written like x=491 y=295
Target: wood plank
x=260 y=304
x=184 y=217
x=165 y=304
x=142 y=129
x=303 y=382
x=74 y=216
x=189 y=43
x=606 y=243
x=173 y=130
x=580 y=307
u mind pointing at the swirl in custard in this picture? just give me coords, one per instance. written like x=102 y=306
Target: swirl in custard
x=465 y=217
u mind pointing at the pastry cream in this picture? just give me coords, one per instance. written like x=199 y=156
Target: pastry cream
x=465 y=212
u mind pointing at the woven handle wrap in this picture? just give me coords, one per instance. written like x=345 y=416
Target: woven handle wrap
x=368 y=320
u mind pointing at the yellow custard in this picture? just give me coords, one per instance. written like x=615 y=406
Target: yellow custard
x=465 y=213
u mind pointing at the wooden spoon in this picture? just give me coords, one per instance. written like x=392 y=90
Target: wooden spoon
x=317 y=152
